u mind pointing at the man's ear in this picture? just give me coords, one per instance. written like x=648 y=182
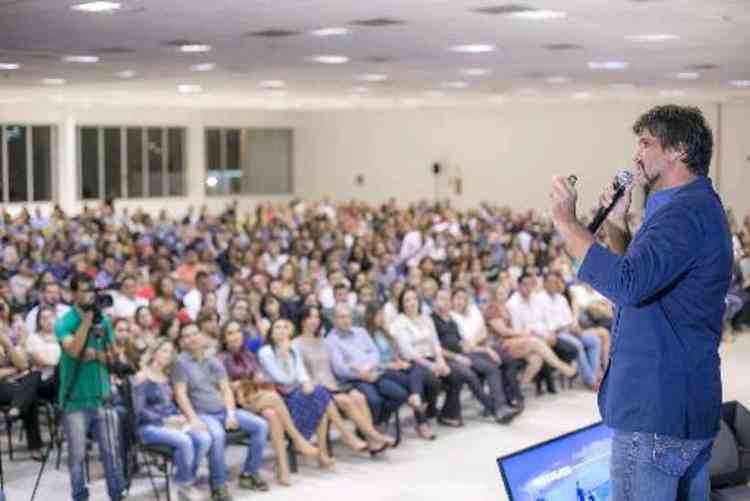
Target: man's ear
x=678 y=153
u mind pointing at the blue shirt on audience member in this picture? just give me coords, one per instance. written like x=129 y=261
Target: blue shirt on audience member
x=669 y=288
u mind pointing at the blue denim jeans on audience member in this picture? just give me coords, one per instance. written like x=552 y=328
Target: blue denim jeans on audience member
x=649 y=466
x=589 y=349
x=257 y=430
x=189 y=449
x=104 y=425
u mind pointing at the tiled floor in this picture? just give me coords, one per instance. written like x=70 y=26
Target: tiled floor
x=459 y=465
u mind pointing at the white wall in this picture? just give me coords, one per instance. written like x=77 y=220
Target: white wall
x=503 y=154
x=735 y=157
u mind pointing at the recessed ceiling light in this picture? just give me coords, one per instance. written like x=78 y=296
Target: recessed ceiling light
x=212 y=181
x=458 y=84
x=475 y=72
x=203 y=67
x=81 y=59
x=672 y=93
x=538 y=14
x=685 y=75
x=581 y=95
x=557 y=80
x=608 y=65
x=652 y=37
x=330 y=32
x=53 y=81
x=373 y=77
x=472 y=48
x=328 y=59
x=195 y=47
x=96 y=7
x=740 y=83
x=272 y=84
x=9 y=66
x=126 y=74
x=189 y=88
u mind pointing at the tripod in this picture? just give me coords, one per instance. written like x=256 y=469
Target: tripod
x=111 y=455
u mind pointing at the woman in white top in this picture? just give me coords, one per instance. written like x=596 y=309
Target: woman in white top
x=44 y=351
x=418 y=342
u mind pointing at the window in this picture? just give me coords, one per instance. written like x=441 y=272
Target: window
x=26 y=159
x=248 y=161
x=131 y=162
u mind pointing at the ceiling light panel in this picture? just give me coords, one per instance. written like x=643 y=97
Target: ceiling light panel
x=652 y=37
x=472 y=48
x=539 y=14
x=97 y=7
x=475 y=72
x=81 y=59
x=608 y=65
x=189 y=89
x=331 y=31
x=328 y=59
x=373 y=77
x=203 y=67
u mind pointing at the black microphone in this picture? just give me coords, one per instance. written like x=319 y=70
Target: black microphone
x=622 y=180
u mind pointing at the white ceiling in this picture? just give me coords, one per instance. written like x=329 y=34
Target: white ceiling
x=415 y=56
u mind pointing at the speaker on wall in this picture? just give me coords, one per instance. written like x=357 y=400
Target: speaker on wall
x=436 y=168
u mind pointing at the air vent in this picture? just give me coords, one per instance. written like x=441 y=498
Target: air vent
x=502 y=9
x=702 y=67
x=379 y=59
x=180 y=43
x=563 y=46
x=378 y=22
x=272 y=33
x=114 y=50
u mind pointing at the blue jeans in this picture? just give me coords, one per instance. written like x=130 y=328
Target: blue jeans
x=257 y=431
x=189 y=449
x=589 y=348
x=383 y=397
x=77 y=425
x=648 y=466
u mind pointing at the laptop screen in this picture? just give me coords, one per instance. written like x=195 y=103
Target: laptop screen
x=572 y=467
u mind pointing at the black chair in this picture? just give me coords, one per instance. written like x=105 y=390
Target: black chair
x=140 y=454
x=730 y=458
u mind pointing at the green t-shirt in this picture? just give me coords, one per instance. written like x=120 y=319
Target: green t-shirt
x=92 y=380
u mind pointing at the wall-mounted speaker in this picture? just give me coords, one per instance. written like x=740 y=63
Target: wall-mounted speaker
x=436 y=168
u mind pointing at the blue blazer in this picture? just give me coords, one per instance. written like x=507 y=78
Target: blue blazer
x=669 y=288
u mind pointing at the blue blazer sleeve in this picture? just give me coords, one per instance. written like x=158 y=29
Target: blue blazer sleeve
x=655 y=259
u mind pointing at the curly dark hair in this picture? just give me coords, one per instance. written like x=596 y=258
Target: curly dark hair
x=680 y=127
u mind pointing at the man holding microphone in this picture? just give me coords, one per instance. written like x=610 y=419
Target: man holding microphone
x=661 y=392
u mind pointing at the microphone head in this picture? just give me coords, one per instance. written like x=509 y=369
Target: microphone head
x=623 y=179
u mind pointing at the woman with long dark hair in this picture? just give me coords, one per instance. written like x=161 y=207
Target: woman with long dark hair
x=315 y=356
x=256 y=393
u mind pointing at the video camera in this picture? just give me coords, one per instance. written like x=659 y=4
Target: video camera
x=101 y=301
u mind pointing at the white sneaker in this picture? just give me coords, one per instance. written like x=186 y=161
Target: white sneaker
x=189 y=493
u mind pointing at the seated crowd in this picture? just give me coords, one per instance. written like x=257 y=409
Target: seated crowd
x=286 y=322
